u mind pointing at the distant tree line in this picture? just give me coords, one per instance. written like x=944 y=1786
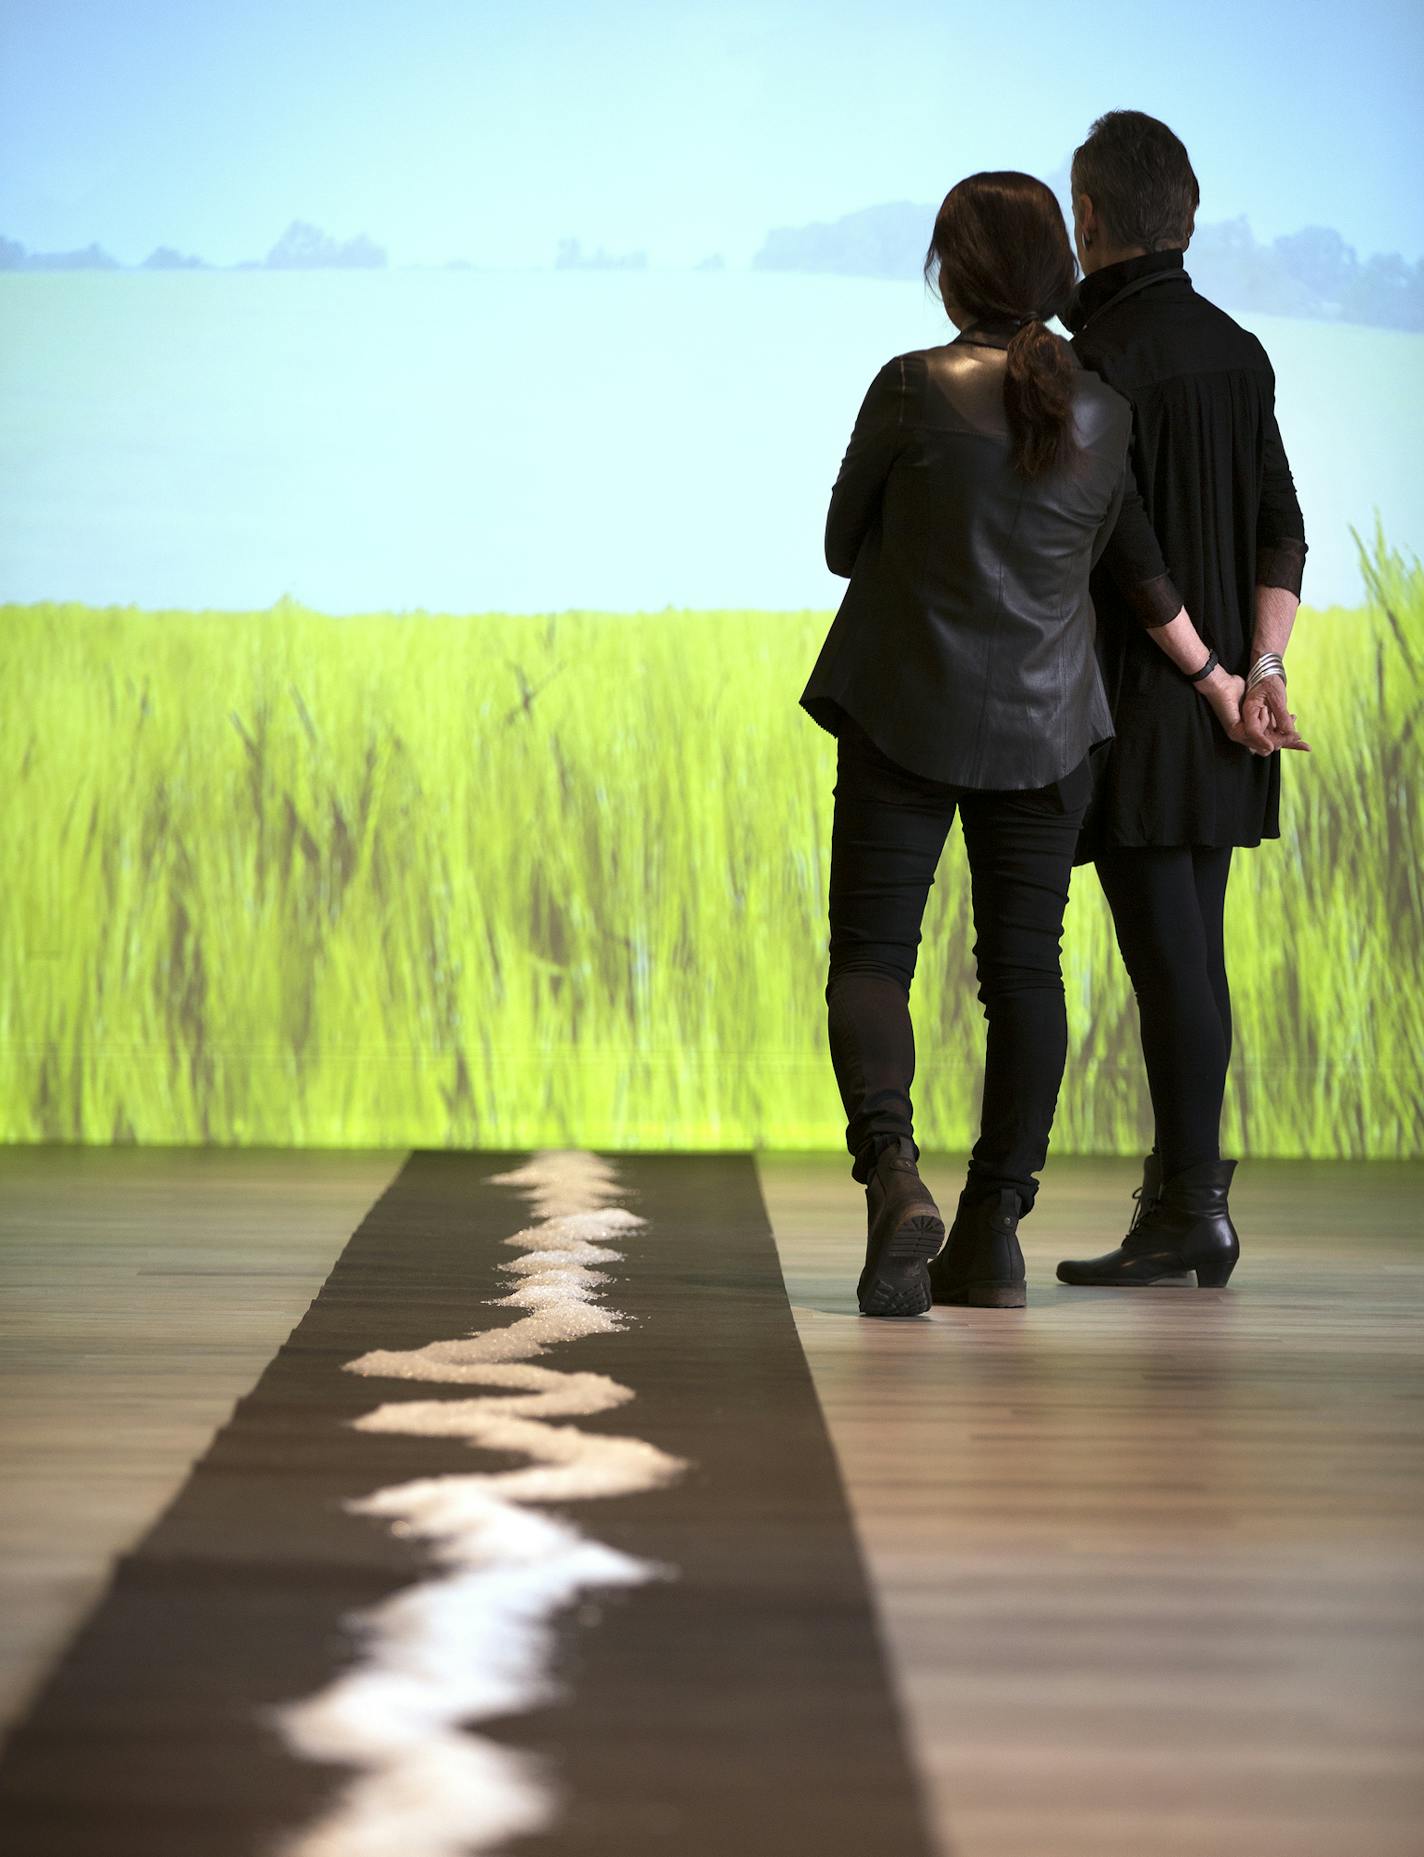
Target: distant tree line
x=1311 y=273
x=571 y=256
x=302 y=247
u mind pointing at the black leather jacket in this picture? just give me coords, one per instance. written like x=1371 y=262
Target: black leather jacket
x=964 y=644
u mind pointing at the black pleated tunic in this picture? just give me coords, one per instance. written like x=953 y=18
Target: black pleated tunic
x=1217 y=517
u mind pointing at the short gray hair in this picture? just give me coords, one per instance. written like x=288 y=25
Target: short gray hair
x=1139 y=177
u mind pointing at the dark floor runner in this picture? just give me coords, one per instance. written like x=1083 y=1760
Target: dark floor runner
x=743 y=1708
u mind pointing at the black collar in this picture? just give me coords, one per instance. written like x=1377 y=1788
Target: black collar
x=1094 y=293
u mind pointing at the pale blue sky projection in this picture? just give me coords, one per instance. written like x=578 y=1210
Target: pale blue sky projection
x=514 y=438
x=489 y=131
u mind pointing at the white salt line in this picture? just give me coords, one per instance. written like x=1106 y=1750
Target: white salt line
x=475 y=1641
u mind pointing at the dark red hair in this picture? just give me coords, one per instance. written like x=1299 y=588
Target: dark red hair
x=1000 y=254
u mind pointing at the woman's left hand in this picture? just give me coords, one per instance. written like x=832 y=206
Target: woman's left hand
x=1224 y=692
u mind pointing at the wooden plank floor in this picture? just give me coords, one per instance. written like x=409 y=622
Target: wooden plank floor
x=142 y=1291
x=1151 y=1562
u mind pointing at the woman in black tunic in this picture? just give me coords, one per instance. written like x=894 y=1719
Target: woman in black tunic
x=982 y=481
x=1223 y=540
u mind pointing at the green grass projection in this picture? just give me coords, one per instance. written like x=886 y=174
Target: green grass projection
x=282 y=878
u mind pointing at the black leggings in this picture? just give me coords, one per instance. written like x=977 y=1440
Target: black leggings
x=890 y=827
x=1168 y=906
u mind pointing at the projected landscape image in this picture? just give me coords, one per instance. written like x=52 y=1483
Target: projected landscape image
x=408 y=578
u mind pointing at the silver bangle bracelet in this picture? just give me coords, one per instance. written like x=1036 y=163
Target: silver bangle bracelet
x=1269 y=664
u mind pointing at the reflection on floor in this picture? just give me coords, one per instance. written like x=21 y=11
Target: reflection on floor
x=142 y=1291
x=1150 y=1562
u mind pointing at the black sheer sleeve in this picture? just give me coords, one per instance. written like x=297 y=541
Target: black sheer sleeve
x=878 y=436
x=1133 y=556
x=1280 y=527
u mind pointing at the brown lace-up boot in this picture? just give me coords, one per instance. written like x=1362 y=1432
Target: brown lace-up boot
x=905 y=1231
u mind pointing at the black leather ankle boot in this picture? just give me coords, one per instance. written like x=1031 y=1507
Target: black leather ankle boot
x=981 y=1263
x=1150 y=1192
x=1189 y=1229
x=905 y=1231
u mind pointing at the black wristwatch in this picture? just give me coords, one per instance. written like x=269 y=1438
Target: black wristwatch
x=1206 y=670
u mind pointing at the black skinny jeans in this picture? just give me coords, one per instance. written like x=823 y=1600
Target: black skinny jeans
x=890 y=827
x=1168 y=907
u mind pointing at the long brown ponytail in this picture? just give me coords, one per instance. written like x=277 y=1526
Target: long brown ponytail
x=1000 y=254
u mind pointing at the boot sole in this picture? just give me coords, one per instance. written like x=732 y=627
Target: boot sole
x=1213 y=1278
x=986 y=1296
x=905 y=1290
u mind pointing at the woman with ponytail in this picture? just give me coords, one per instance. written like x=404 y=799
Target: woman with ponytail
x=982 y=482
